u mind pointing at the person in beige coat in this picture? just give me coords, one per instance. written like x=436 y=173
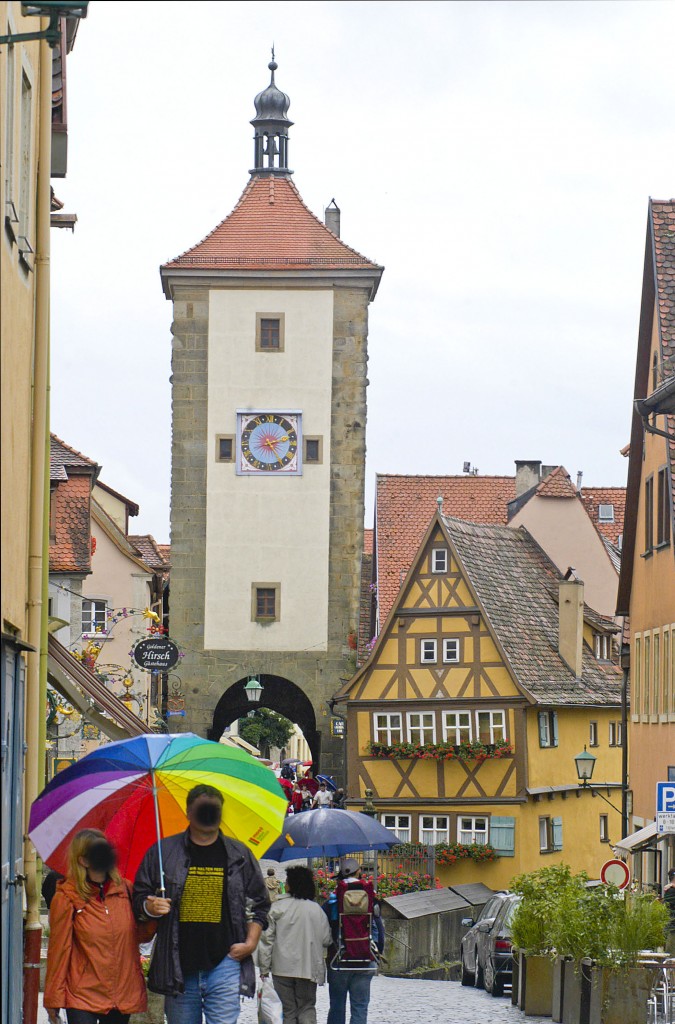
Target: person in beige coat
x=293 y=947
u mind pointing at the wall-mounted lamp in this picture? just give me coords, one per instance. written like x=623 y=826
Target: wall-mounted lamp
x=585 y=763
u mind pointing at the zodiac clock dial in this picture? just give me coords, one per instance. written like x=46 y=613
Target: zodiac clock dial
x=268 y=442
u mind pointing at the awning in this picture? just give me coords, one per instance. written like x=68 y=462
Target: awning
x=238 y=741
x=90 y=696
x=647 y=836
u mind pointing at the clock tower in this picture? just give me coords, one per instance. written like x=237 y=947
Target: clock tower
x=268 y=451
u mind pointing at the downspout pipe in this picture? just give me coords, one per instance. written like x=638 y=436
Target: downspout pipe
x=38 y=567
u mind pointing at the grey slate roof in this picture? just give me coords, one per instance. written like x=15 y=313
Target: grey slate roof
x=517 y=585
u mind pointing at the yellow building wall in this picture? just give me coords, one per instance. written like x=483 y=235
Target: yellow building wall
x=554 y=766
x=652 y=615
x=18 y=155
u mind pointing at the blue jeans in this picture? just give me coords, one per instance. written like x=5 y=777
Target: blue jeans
x=356 y=985
x=214 y=992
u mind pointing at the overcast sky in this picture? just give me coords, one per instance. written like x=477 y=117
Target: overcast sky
x=497 y=158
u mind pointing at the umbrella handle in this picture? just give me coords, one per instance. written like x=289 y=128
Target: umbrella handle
x=162 y=889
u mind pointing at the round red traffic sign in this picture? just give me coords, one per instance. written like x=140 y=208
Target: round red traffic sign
x=615 y=872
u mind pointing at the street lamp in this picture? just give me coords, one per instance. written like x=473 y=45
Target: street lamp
x=585 y=763
x=253 y=689
x=52 y=9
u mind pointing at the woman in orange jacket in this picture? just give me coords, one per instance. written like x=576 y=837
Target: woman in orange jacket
x=93 y=962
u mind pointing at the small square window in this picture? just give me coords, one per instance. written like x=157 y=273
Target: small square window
x=605 y=513
x=225 y=448
x=439 y=560
x=269 y=335
x=450 y=650
x=265 y=602
x=428 y=652
x=313 y=450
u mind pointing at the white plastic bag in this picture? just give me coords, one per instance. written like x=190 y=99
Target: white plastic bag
x=269 y=1004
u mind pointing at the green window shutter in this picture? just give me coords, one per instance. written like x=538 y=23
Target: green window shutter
x=503 y=835
x=557 y=833
x=554 y=728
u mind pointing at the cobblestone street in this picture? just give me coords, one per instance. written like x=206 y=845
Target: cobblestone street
x=401 y=1001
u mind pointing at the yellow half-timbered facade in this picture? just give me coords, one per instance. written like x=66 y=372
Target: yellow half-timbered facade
x=481 y=688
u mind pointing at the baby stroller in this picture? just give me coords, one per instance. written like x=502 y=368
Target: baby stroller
x=356 y=950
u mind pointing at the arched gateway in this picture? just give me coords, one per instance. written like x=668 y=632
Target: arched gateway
x=278 y=694
x=270 y=318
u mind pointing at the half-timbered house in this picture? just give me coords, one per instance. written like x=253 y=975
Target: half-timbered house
x=482 y=686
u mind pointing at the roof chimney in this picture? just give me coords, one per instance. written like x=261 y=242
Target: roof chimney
x=528 y=475
x=331 y=217
x=571 y=623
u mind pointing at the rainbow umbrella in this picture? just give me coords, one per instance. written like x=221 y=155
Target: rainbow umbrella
x=135 y=791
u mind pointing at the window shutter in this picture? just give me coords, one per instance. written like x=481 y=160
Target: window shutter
x=557 y=833
x=503 y=835
x=543 y=729
x=554 y=728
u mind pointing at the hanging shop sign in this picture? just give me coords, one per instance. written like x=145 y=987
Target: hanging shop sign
x=156 y=653
x=337 y=726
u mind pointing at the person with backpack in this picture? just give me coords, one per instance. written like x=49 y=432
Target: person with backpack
x=352 y=958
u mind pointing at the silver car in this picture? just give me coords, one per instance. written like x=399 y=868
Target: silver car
x=474 y=941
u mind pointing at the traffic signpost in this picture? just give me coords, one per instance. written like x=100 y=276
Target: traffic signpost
x=665 y=808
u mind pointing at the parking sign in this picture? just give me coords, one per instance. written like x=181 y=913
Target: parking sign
x=665 y=807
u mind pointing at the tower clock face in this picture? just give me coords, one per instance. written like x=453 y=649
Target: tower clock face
x=268 y=442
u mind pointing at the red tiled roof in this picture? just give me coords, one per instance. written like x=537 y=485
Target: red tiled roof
x=148 y=549
x=165 y=551
x=70 y=550
x=368 y=542
x=592 y=497
x=270 y=227
x=557 y=485
x=70 y=531
x=404 y=507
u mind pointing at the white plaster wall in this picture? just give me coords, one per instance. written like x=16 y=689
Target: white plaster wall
x=562 y=528
x=271 y=528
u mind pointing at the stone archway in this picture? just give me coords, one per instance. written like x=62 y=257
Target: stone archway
x=278 y=694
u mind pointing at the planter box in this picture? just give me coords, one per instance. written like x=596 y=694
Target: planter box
x=559 y=966
x=515 y=978
x=571 y=1009
x=535 y=987
x=619 y=996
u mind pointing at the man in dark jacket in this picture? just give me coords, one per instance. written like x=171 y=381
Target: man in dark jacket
x=211 y=915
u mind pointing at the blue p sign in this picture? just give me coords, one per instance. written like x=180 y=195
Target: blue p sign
x=665 y=797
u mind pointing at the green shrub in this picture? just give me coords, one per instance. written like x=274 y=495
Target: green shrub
x=641 y=924
x=541 y=892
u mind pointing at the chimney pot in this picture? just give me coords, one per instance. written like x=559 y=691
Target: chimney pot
x=528 y=475
x=571 y=624
x=331 y=217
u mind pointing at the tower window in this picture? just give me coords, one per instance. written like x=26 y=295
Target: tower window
x=225 y=448
x=265 y=602
x=269 y=334
x=313 y=450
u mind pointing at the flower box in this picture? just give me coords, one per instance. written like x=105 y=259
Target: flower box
x=474 y=751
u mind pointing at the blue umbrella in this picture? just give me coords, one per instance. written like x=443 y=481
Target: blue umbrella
x=330 y=782
x=326 y=832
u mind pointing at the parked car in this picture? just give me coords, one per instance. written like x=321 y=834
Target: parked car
x=497 y=954
x=472 y=965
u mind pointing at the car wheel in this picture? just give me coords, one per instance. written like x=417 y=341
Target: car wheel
x=467 y=976
x=479 y=977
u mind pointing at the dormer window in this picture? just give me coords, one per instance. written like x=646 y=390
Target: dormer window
x=605 y=513
x=602 y=645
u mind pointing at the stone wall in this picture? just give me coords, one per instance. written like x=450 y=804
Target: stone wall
x=207 y=675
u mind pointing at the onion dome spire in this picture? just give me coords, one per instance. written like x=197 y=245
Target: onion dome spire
x=271 y=124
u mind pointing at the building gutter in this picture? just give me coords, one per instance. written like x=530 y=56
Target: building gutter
x=38 y=566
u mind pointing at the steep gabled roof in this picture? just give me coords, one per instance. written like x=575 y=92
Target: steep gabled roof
x=556 y=485
x=403 y=507
x=517 y=585
x=593 y=497
x=658 y=295
x=271 y=228
x=149 y=550
x=61 y=454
